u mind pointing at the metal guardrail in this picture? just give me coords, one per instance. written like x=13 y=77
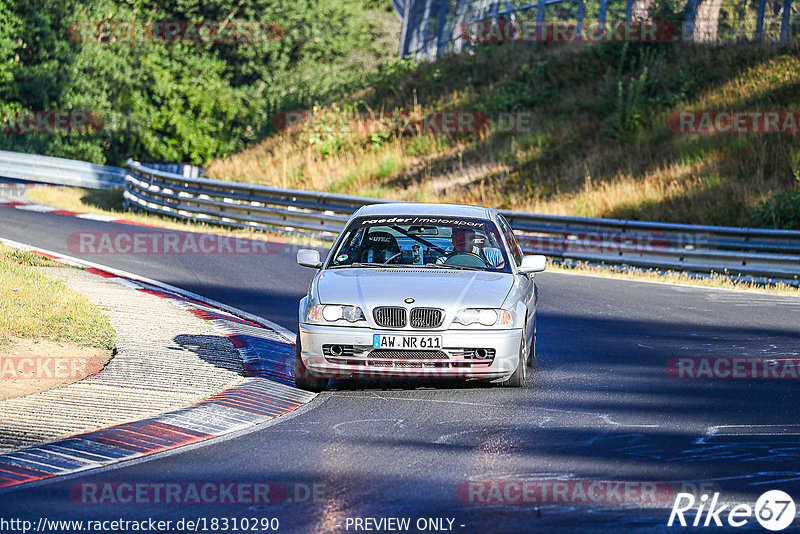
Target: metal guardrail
x=434 y=27
x=746 y=251
x=60 y=171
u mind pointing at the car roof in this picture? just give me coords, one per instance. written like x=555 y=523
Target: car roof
x=429 y=209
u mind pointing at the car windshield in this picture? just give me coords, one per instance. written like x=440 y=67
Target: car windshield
x=422 y=241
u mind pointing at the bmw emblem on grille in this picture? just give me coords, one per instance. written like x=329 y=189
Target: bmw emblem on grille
x=409 y=300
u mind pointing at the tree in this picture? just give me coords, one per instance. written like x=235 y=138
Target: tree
x=706 y=19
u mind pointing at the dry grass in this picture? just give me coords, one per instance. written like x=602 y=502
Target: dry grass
x=33 y=305
x=599 y=145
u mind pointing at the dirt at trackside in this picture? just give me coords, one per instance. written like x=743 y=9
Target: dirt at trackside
x=32 y=365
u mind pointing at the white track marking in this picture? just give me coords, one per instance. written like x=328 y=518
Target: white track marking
x=96 y=217
x=674 y=284
x=36 y=207
x=739 y=430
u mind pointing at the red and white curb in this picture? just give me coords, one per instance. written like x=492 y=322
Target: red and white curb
x=267 y=351
x=23 y=204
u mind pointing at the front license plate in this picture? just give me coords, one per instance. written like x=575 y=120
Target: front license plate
x=379 y=341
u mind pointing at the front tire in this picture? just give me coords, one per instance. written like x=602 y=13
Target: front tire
x=303 y=378
x=518 y=378
x=532 y=351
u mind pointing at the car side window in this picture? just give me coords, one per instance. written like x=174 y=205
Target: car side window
x=516 y=251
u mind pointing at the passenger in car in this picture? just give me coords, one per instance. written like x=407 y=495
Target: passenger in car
x=380 y=247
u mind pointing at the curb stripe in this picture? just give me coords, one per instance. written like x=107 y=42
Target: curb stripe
x=267 y=394
x=81 y=452
x=9 y=470
x=80 y=447
x=33 y=206
x=258 y=403
x=209 y=315
x=253 y=406
x=101 y=273
x=237 y=341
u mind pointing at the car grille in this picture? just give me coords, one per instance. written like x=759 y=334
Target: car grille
x=426 y=317
x=365 y=356
x=390 y=316
x=408 y=354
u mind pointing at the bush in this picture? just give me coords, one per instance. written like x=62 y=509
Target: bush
x=781 y=211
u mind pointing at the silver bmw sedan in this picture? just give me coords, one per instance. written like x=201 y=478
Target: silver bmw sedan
x=414 y=290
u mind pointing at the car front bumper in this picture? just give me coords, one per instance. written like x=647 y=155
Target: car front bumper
x=458 y=360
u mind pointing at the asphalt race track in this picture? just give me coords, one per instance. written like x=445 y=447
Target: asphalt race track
x=601 y=408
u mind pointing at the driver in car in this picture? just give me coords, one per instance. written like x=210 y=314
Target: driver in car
x=465 y=240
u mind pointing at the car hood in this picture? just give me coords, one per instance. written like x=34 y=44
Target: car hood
x=369 y=287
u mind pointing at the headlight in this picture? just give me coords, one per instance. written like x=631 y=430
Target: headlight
x=334 y=312
x=484 y=316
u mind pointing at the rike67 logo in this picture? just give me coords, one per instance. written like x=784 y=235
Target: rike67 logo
x=774 y=510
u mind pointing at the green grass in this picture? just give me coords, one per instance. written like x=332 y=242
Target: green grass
x=33 y=305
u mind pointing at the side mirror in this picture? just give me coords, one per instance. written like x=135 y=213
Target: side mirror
x=533 y=264
x=309 y=258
